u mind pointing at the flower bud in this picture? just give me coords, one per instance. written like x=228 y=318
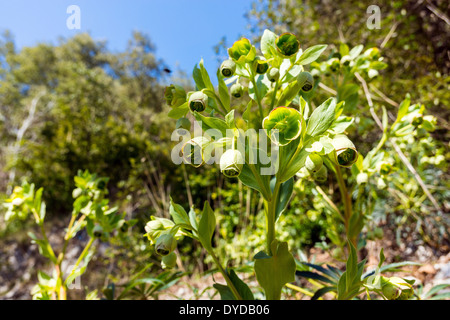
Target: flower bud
x=17 y=202
x=273 y=75
x=165 y=244
x=362 y=178
x=157 y=226
x=97 y=231
x=345 y=60
x=321 y=175
x=169 y=261
x=237 y=90
x=287 y=44
x=175 y=95
x=345 y=154
x=429 y=123
x=124 y=227
x=305 y=81
x=381 y=184
x=231 y=163
x=333 y=64
x=417 y=120
x=242 y=51
x=183 y=124
x=385 y=168
x=396 y=288
x=313 y=162
x=261 y=66
x=372 y=53
x=228 y=68
x=198 y=101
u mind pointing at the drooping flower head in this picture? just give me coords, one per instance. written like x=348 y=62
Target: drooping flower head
x=345 y=151
x=231 y=163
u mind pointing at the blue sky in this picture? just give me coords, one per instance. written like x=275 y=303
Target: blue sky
x=184 y=31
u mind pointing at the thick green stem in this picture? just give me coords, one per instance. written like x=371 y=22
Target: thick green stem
x=347 y=202
x=226 y=277
x=271 y=207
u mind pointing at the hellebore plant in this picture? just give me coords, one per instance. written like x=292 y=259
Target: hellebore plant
x=91 y=212
x=270 y=93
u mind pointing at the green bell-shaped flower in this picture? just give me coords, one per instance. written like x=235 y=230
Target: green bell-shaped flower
x=231 y=163
x=385 y=168
x=175 y=95
x=321 y=175
x=306 y=81
x=242 y=51
x=228 y=68
x=97 y=231
x=261 y=65
x=314 y=162
x=287 y=44
x=197 y=151
x=372 y=53
x=237 y=90
x=334 y=64
x=169 y=261
x=362 y=178
x=396 y=288
x=345 y=153
x=165 y=244
x=273 y=75
x=283 y=124
x=198 y=101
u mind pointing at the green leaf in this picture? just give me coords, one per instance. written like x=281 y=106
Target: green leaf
x=321 y=118
x=227 y=294
x=178 y=213
x=198 y=78
x=273 y=272
x=268 y=43
x=284 y=196
x=356 y=51
x=251 y=177
x=224 y=291
x=403 y=108
x=344 y=49
x=205 y=76
x=262 y=84
x=322 y=291
x=224 y=94
x=341 y=124
x=314 y=276
x=179 y=112
x=435 y=290
x=248 y=108
x=206 y=226
x=382 y=258
x=311 y=54
x=229 y=119
x=45 y=248
x=212 y=123
x=288 y=94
